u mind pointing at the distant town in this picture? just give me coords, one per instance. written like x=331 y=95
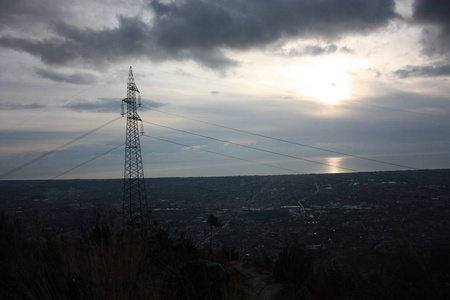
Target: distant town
x=366 y=213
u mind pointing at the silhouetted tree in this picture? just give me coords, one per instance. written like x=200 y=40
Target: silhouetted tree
x=212 y=222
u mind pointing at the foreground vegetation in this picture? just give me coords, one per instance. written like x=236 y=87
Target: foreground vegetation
x=102 y=263
x=97 y=264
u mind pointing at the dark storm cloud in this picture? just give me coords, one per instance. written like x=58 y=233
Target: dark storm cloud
x=208 y=58
x=77 y=78
x=21 y=13
x=240 y=24
x=432 y=12
x=424 y=71
x=201 y=30
x=99 y=47
x=107 y=105
x=15 y=106
x=435 y=40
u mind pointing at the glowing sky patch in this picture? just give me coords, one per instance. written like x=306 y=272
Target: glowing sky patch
x=328 y=79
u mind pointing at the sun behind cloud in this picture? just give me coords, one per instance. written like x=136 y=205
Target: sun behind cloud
x=327 y=79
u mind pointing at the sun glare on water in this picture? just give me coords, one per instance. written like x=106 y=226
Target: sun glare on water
x=334 y=164
x=328 y=79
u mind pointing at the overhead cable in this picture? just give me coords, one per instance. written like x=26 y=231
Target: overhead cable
x=88 y=161
x=287 y=141
x=221 y=154
x=48 y=153
x=252 y=148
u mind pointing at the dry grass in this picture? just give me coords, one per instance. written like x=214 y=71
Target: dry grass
x=100 y=265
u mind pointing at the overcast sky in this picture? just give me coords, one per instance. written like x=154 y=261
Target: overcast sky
x=364 y=78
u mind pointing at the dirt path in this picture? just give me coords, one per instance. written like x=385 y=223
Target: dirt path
x=261 y=283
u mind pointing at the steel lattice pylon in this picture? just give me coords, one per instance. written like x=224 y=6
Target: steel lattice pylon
x=134 y=193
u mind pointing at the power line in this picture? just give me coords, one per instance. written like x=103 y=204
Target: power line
x=251 y=161
x=225 y=155
x=287 y=141
x=294 y=143
x=22 y=122
x=88 y=161
x=252 y=148
x=76 y=167
x=56 y=149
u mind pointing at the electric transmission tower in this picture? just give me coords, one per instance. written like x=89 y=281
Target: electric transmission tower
x=134 y=194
